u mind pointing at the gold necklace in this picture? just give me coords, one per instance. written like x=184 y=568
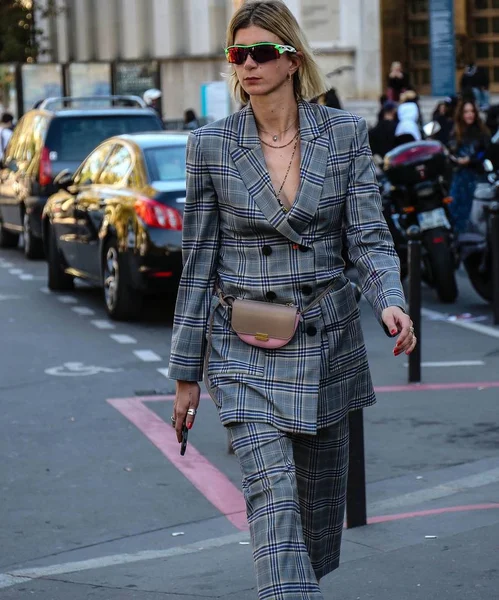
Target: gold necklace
x=284 y=208
x=276 y=136
x=285 y=145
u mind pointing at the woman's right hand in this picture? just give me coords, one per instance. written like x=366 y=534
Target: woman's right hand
x=186 y=397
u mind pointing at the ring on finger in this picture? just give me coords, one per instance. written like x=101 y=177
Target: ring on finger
x=192 y=412
x=173 y=420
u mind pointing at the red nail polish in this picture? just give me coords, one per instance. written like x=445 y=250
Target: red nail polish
x=393 y=331
x=189 y=425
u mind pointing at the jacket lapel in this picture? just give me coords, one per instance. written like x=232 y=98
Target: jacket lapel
x=314 y=153
x=250 y=162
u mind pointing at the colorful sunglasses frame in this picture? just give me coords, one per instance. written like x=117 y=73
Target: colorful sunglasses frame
x=281 y=48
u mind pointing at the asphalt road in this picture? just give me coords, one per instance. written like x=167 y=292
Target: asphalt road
x=90 y=469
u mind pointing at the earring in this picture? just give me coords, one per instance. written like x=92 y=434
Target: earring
x=289 y=76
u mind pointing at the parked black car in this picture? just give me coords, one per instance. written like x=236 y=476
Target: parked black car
x=117 y=222
x=45 y=142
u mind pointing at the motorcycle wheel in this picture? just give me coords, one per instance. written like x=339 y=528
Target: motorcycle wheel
x=441 y=264
x=481 y=282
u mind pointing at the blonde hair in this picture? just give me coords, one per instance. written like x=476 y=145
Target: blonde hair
x=275 y=17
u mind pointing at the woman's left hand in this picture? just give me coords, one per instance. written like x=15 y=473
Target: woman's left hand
x=398 y=322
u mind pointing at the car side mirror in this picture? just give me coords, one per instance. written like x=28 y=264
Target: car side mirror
x=64 y=179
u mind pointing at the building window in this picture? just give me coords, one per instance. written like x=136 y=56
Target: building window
x=418 y=6
x=481 y=26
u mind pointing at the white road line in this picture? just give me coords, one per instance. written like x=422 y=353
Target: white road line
x=102 y=324
x=147 y=355
x=83 y=311
x=16 y=271
x=450 y=363
x=165 y=372
x=485 y=329
x=6 y=265
x=23 y=575
x=67 y=299
x=440 y=491
x=123 y=339
x=44 y=290
x=26 y=277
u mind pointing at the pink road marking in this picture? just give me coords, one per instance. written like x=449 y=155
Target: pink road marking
x=212 y=483
x=215 y=486
x=432 y=511
x=409 y=387
x=425 y=387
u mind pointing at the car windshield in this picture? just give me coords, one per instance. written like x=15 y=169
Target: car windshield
x=166 y=163
x=73 y=138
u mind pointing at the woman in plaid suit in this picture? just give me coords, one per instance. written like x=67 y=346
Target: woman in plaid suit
x=270 y=190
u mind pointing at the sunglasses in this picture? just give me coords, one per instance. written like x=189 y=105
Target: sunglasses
x=261 y=53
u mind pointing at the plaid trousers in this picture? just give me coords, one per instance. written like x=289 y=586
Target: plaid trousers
x=295 y=487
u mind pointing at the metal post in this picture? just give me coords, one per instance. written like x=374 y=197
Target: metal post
x=414 y=263
x=356 y=486
x=494 y=251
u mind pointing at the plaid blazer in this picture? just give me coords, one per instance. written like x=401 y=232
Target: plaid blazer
x=235 y=234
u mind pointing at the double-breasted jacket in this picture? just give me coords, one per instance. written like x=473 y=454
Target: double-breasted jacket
x=237 y=237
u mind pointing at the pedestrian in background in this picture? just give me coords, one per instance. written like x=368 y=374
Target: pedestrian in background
x=398 y=82
x=468 y=145
x=6 y=129
x=408 y=124
x=382 y=135
x=475 y=82
x=259 y=228
x=152 y=98
x=444 y=116
x=190 y=119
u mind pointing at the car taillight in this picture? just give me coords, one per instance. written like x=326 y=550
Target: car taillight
x=156 y=214
x=45 y=172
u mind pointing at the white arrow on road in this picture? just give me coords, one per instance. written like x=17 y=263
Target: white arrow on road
x=77 y=369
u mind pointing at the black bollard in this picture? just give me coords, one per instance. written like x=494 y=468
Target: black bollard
x=414 y=263
x=494 y=251
x=356 y=486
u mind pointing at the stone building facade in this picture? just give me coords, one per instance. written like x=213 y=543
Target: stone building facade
x=186 y=38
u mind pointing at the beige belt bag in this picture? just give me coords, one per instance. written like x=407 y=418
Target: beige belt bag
x=264 y=324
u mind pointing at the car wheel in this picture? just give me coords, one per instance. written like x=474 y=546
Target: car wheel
x=58 y=279
x=33 y=246
x=122 y=301
x=7 y=238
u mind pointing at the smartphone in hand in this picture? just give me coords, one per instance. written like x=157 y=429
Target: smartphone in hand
x=183 y=444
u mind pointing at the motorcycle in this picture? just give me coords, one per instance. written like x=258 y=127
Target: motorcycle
x=475 y=244
x=416 y=194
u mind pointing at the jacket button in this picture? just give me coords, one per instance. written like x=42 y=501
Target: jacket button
x=266 y=250
x=303 y=249
x=311 y=330
x=306 y=290
x=271 y=295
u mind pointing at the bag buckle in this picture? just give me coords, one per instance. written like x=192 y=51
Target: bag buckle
x=262 y=337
